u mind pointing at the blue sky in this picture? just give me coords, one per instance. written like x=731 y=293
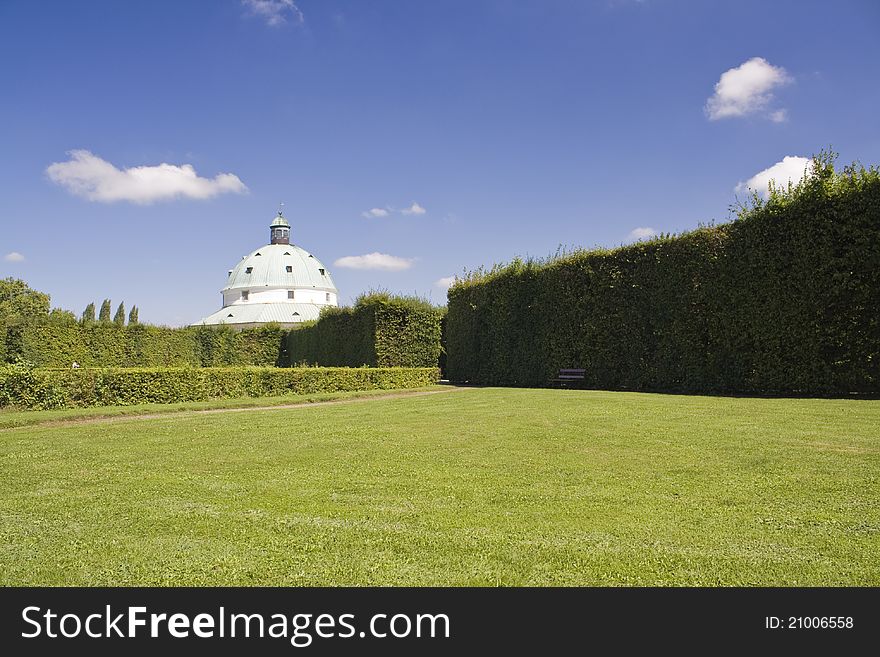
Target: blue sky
x=516 y=126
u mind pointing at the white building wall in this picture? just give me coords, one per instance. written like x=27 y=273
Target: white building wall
x=279 y=295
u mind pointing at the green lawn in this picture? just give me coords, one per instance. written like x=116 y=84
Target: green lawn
x=468 y=487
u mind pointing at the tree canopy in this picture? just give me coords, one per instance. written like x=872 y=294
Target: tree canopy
x=19 y=303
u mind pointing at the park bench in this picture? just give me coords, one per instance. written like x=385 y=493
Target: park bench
x=569 y=376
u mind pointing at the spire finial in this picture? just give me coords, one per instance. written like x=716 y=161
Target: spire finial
x=281 y=208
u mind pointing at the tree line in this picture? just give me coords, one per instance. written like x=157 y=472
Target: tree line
x=20 y=304
x=88 y=315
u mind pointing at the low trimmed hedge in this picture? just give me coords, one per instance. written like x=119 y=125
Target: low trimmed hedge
x=26 y=388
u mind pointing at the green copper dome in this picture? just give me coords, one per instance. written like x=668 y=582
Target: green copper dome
x=268 y=267
x=279 y=282
x=279 y=220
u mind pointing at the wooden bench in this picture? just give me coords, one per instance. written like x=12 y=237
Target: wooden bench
x=567 y=376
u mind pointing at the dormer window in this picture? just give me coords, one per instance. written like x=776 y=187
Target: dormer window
x=288 y=269
x=244 y=295
x=248 y=270
x=290 y=294
x=322 y=271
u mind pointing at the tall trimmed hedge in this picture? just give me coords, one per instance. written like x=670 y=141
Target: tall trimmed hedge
x=28 y=388
x=785 y=299
x=140 y=345
x=378 y=331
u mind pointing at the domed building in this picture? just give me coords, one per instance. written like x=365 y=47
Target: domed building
x=279 y=282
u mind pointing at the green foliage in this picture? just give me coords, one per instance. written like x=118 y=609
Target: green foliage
x=88 y=315
x=262 y=345
x=140 y=345
x=133 y=315
x=380 y=330
x=60 y=316
x=19 y=303
x=785 y=299
x=444 y=373
x=29 y=388
x=3 y=334
x=222 y=345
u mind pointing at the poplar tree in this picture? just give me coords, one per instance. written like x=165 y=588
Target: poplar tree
x=119 y=317
x=133 y=316
x=88 y=315
x=104 y=314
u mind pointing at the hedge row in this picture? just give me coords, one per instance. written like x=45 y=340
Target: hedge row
x=100 y=345
x=378 y=331
x=786 y=299
x=27 y=388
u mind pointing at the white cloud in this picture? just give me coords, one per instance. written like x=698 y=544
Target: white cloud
x=642 y=233
x=275 y=12
x=746 y=89
x=14 y=256
x=381 y=261
x=445 y=283
x=779 y=116
x=791 y=168
x=375 y=212
x=95 y=179
x=415 y=208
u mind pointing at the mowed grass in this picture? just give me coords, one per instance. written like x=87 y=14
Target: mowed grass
x=468 y=487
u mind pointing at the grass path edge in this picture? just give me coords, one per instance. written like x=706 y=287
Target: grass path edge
x=106 y=414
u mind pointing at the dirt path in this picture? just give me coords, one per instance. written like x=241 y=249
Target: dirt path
x=208 y=411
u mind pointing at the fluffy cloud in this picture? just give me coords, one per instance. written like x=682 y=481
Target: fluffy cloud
x=791 y=168
x=642 y=233
x=445 y=283
x=747 y=89
x=14 y=256
x=91 y=177
x=381 y=261
x=275 y=12
x=415 y=208
x=375 y=212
